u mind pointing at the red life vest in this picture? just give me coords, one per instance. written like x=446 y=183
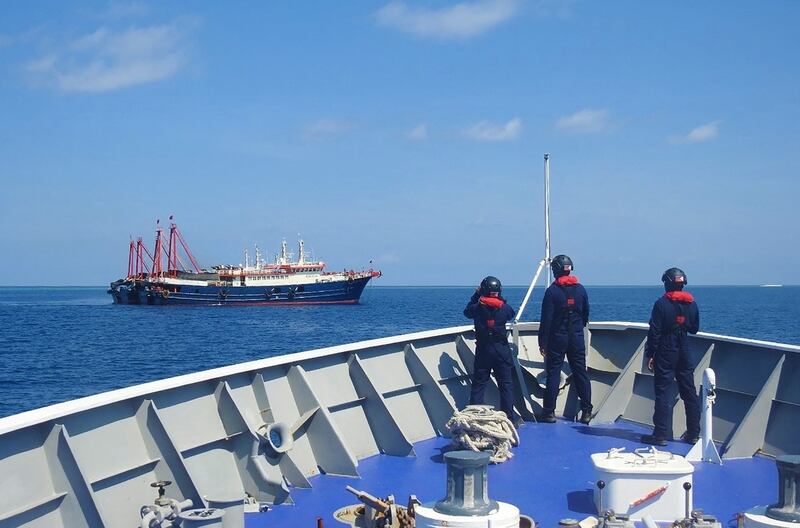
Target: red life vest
x=567 y=280
x=488 y=306
x=564 y=282
x=678 y=299
x=492 y=303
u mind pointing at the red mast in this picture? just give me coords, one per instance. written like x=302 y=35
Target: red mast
x=139 y=267
x=157 y=267
x=131 y=256
x=141 y=251
x=195 y=265
x=172 y=251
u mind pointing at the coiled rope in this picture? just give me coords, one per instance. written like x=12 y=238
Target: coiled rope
x=481 y=428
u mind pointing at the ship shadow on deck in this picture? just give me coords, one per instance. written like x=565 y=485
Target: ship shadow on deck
x=438 y=458
x=581 y=502
x=610 y=432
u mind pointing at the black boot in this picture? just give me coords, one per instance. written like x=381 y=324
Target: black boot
x=585 y=417
x=690 y=438
x=546 y=418
x=654 y=440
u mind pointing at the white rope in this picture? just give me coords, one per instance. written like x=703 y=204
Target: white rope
x=481 y=428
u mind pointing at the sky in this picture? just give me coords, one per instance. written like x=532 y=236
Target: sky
x=410 y=134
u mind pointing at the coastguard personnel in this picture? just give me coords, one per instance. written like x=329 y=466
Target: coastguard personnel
x=492 y=355
x=674 y=316
x=565 y=312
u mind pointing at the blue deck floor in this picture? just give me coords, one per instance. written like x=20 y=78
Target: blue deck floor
x=549 y=478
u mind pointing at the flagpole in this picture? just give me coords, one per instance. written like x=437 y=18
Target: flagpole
x=545 y=262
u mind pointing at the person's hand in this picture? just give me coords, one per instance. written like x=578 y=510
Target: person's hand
x=543 y=351
x=650 y=364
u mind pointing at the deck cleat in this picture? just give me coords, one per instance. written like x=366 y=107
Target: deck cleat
x=467 y=503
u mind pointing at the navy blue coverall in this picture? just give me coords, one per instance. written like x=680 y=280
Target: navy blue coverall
x=560 y=334
x=668 y=346
x=492 y=354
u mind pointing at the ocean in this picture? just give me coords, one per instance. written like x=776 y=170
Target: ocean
x=58 y=344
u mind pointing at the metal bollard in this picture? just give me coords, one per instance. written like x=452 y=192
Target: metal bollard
x=467 y=485
x=787 y=509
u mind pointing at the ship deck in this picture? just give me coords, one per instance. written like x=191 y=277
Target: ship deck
x=91 y=462
x=549 y=478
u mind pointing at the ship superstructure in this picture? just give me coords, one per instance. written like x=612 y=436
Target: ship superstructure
x=284 y=281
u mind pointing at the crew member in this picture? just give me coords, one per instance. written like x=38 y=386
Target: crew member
x=674 y=316
x=565 y=313
x=493 y=354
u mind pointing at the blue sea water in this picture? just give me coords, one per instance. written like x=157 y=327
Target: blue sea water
x=57 y=344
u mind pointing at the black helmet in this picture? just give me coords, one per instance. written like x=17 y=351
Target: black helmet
x=491 y=285
x=561 y=265
x=674 y=278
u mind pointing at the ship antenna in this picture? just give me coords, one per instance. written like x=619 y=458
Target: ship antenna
x=545 y=262
x=547 y=256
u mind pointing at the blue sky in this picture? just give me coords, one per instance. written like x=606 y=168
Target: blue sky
x=404 y=132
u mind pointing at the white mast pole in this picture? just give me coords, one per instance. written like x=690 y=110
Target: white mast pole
x=547 y=216
x=545 y=262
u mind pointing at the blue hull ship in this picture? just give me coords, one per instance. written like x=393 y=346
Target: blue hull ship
x=282 y=282
x=347 y=291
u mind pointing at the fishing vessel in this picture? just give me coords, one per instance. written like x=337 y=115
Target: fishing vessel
x=285 y=442
x=284 y=281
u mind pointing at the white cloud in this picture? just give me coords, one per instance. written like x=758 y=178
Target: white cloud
x=418 y=133
x=586 y=121
x=326 y=128
x=462 y=20
x=106 y=60
x=42 y=65
x=485 y=131
x=702 y=133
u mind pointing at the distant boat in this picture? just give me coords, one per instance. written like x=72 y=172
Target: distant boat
x=772 y=285
x=286 y=281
